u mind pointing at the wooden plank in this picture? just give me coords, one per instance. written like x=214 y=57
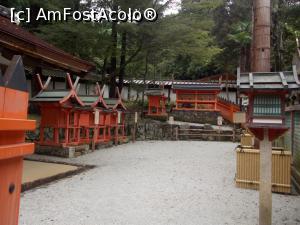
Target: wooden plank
x=202 y=130
x=247 y=175
x=16 y=150
x=8 y=124
x=200 y=135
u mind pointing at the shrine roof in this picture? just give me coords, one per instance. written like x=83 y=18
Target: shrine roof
x=93 y=100
x=268 y=80
x=154 y=92
x=58 y=96
x=88 y=99
x=197 y=87
x=50 y=96
x=17 y=39
x=111 y=101
x=114 y=103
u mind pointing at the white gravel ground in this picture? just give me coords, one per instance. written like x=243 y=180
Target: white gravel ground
x=154 y=183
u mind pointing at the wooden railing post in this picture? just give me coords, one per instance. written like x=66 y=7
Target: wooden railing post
x=233 y=133
x=176 y=133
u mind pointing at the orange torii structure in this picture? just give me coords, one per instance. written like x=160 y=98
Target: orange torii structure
x=116 y=119
x=59 y=116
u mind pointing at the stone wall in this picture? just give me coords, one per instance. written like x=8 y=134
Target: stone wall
x=204 y=117
x=150 y=129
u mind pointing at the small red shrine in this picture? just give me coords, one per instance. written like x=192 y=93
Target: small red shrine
x=96 y=113
x=116 y=118
x=60 y=121
x=196 y=96
x=156 y=102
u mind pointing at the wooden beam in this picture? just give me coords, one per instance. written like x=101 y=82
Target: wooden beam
x=265 y=186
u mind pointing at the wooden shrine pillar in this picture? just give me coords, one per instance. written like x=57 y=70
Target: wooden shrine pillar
x=265 y=185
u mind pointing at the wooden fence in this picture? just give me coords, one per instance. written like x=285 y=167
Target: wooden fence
x=205 y=134
x=247 y=166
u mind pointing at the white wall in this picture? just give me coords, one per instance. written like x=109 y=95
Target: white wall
x=232 y=95
x=60 y=85
x=134 y=92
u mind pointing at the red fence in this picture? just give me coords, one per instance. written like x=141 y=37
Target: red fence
x=227 y=109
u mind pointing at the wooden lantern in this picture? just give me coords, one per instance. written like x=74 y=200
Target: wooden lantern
x=266 y=94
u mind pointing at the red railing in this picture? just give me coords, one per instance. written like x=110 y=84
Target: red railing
x=227 y=109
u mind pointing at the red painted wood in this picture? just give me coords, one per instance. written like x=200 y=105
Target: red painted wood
x=201 y=100
x=157 y=105
x=13 y=106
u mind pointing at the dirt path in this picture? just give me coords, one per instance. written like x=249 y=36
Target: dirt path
x=33 y=170
x=154 y=183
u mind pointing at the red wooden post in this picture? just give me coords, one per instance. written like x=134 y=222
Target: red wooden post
x=41 y=134
x=56 y=135
x=13 y=124
x=67 y=138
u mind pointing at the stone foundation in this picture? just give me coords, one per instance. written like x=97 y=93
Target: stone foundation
x=148 y=129
x=204 y=117
x=66 y=152
x=155 y=130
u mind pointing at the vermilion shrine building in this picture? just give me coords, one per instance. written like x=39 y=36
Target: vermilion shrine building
x=197 y=97
x=156 y=102
x=60 y=115
x=116 y=119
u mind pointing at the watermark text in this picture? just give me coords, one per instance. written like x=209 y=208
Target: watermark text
x=98 y=15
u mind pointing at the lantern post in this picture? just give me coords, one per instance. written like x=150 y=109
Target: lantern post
x=266 y=93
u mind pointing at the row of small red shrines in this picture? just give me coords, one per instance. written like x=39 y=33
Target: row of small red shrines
x=68 y=119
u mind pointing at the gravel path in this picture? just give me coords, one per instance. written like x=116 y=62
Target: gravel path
x=149 y=183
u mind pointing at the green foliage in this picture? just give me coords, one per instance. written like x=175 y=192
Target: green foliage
x=241 y=34
x=206 y=37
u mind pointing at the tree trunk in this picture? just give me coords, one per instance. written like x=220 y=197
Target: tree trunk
x=253 y=39
x=113 y=59
x=123 y=60
x=262 y=31
x=248 y=58
x=277 y=35
x=144 y=81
